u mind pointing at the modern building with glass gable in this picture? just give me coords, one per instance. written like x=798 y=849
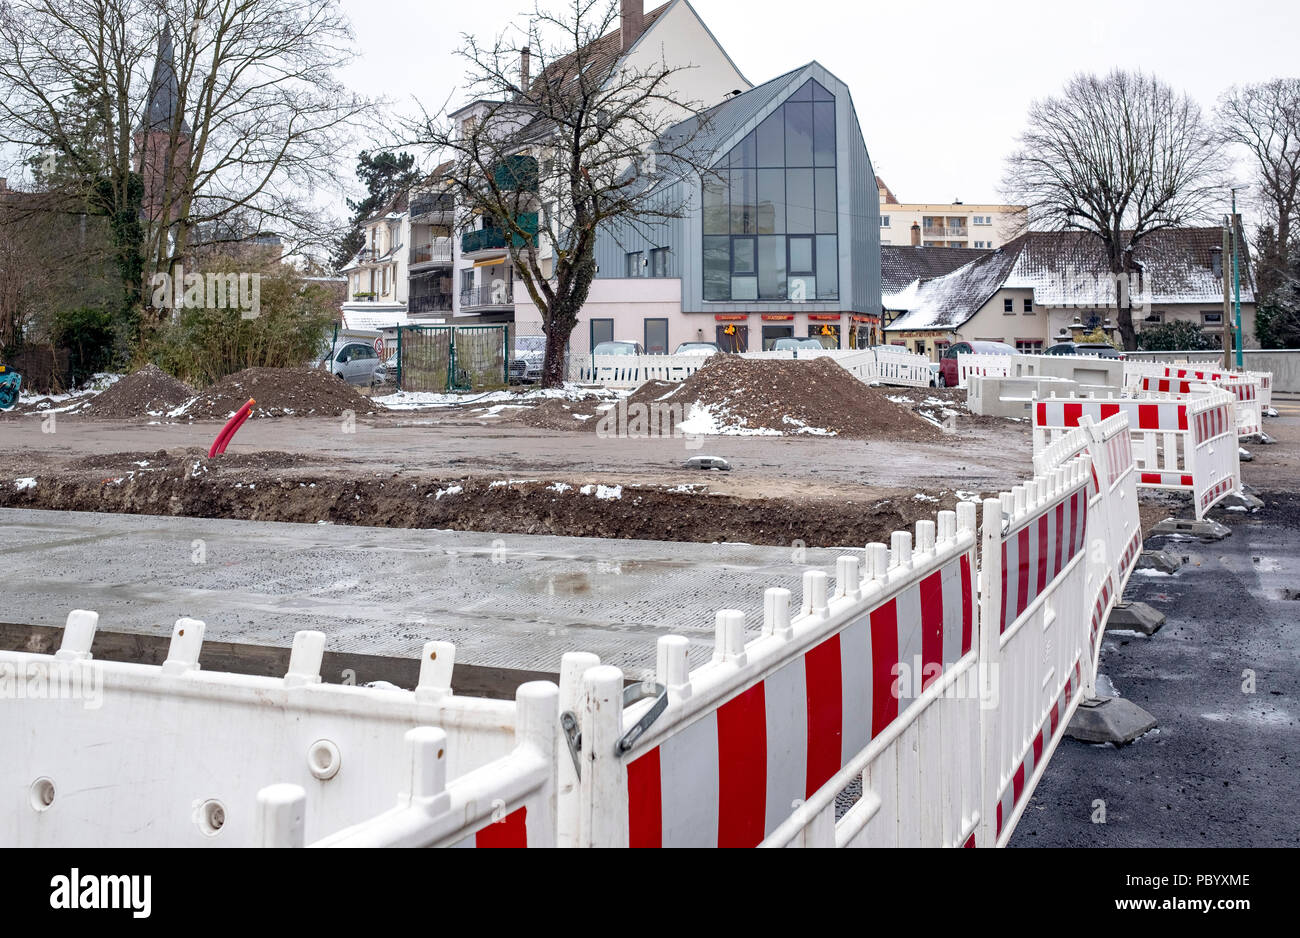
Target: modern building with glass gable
x=780 y=237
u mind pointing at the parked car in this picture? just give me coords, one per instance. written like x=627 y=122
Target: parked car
x=357 y=363
x=530 y=355
x=798 y=345
x=948 y=364
x=618 y=348
x=1097 y=349
x=698 y=348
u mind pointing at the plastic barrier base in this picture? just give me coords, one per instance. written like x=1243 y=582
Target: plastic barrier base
x=1205 y=530
x=1109 y=720
x=1135 y=617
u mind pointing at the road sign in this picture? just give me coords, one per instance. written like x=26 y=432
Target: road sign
x=380 y=347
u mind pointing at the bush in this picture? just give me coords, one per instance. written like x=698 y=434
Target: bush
x=203 y=345
x=88 y=334
x=1179 y=335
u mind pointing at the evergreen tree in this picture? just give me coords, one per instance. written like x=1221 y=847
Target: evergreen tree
x=385 y=174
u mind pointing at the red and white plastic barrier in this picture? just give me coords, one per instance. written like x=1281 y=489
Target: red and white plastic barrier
x=1166 y=449
x=983 y=365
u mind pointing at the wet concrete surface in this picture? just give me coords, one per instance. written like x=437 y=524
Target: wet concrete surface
x=512 y=601
x=1222 y=678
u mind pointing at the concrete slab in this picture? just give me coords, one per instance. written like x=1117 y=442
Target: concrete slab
x=1109 y=720
x=506 y=601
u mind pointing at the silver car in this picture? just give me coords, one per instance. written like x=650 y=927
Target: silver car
x=357 y=363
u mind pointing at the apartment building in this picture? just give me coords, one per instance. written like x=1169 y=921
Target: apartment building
x=955 y=225
x=484 y=287
x=377 y=278
x=779 y=238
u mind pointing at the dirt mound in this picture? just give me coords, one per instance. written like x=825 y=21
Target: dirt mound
x=794 y=398
x=279 y=392
x=565 y=414
x=149 y=392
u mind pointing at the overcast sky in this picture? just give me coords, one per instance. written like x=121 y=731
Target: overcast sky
x=941 y=87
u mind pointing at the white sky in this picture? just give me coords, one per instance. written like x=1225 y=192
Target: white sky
x=941 y=87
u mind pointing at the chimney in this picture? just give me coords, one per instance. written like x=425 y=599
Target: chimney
x=4 y=184
x=525 y=68
x=916 y=234
x=633 y=22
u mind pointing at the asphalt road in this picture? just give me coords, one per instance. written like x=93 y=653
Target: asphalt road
x=1223 y=769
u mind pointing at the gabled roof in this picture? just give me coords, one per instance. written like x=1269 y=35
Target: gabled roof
x=602 y=55
x=902 y=265
x=1066 y=268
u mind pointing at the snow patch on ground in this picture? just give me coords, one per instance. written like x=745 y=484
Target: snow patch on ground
x=454 y=490
x=21 y=484
x=603 y=492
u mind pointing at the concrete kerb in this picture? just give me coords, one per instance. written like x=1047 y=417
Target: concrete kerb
x=1135 y=617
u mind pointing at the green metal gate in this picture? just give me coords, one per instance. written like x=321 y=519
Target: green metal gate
x=442 y=359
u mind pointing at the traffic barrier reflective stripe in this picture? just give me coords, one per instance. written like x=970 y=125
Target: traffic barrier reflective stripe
x=1143 y=415
x=1035 y=555
x=1052 y=725
x=509 y=832
x=729 y=778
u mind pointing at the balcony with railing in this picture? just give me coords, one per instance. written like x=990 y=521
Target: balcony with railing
x=495 y=296
x=438 y=251
x=430 y=303
x=945 y=231
x=432 y=209
x=493 y=240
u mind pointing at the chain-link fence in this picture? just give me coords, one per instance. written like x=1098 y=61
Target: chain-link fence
x=530 y=348
x=440 y=359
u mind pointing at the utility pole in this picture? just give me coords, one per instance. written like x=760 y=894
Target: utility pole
x=1227 y=296
x=1236 y=277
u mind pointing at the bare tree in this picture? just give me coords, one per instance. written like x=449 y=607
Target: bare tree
x=254 y=122
x=1117 y=158
x=546 y=164
x=1264 y=120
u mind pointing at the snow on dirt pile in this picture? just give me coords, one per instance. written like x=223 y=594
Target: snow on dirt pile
x=737 y=396
x=279 y=392
x=149 y=392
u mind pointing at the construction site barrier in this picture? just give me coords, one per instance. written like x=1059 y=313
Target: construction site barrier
x=1178 y=445
x=983 y=365
x=913 y=700
x=881 y=365
x=1245 y=390
x=115 y=754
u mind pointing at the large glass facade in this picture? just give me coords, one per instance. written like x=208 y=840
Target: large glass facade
x=770 y=208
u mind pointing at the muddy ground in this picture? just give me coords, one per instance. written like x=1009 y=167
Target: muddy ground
x=445 y=470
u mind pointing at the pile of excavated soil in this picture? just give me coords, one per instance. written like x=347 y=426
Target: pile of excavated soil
x=565 y=414
x=815 y=397
x=279 y=392
x=150 y=392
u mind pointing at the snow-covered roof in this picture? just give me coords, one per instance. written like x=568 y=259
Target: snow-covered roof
x=376 y=321
x=1067 y=269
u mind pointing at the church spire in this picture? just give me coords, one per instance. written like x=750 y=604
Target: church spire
x=164 y=90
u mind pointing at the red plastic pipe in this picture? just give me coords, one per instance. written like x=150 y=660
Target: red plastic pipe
x=230 y=429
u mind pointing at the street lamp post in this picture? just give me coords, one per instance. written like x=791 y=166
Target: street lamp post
x=1236 y=279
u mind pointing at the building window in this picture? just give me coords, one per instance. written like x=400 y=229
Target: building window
x=772 y=333
x=466 y=281
x=1029 y=306
x=1029 y=346
x=984 y=244
x=920 y=347
x=1212 y=319
x=771 y=203
x=602 y=330
x=659 y=262
x=635 y=265
x=884 y=221
x=1008 y=306
x=656 y=337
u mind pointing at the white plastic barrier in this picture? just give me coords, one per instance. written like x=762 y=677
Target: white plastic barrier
x=632 y=371
x=986 y=366
x=871 y=366
x=1114 y=524
x=1141 y=374
x=1034 y=633
x=754 y=747
x=114 y=754
x=1171 y=449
